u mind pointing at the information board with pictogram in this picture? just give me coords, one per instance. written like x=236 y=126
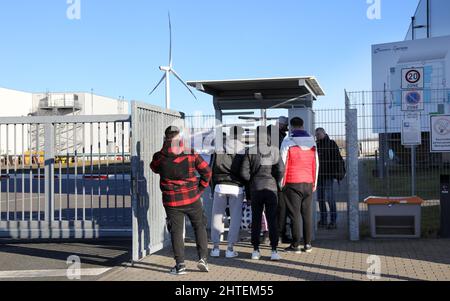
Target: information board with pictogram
x=440 y=133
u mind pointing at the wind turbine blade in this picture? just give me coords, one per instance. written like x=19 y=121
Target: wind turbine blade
x=159 y=83
x=170 y=41
x=183 y=82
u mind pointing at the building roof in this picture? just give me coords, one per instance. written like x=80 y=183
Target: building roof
x=260 y=93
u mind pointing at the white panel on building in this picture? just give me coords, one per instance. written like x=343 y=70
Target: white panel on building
x=388 y=64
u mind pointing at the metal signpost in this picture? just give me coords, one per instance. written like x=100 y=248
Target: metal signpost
x=412 y=137
x=412 y=103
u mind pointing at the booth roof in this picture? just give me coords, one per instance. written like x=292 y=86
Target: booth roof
x=260 y=92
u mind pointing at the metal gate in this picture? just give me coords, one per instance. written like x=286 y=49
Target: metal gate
x=75 y=177
x=65 y=176
x=149 y=218
x=333 y=121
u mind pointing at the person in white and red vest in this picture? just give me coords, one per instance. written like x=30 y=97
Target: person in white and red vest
x=299 y=154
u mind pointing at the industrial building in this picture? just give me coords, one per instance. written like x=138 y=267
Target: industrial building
x=410 y=78
x=19 y=139
x=430 y=20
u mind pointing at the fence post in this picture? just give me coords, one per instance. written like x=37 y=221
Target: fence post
x=49 y=158
x=351 y=133
x=134 y=138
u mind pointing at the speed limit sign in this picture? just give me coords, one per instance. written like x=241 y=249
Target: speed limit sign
x=412 y=78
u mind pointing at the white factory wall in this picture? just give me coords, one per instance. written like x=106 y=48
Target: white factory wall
x=105 y=106
x=17 y=103
x=102 y=105
x=13 y=103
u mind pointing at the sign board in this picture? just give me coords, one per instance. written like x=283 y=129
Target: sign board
x=440 y=133
x=411 y=130
x=412 y=78
x=412 y=100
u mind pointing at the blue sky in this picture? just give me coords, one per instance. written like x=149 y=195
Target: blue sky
x=117 y=46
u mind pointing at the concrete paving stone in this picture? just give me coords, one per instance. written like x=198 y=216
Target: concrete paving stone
x=331 y=260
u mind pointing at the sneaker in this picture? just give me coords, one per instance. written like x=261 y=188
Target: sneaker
x=231 y=254
x=202 y=265
x=292 y=249
x=215 y=252
x=179 y=269
x=275 y=256
x=307 y=248
x=256 y=255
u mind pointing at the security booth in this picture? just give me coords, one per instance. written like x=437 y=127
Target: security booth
x=296 y=94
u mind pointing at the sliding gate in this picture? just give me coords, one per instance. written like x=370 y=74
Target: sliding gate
x=65 y=177
x=84 y=177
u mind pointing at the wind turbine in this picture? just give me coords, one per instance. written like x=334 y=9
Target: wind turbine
x=170 y=70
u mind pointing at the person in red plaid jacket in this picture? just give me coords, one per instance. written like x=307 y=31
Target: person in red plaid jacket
x=182 y=189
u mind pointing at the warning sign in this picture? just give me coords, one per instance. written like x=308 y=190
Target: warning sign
x=412 y=100
x=440 y=133
x=412 y=78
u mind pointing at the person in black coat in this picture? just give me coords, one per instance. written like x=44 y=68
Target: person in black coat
x=263 y=168
x=277 y=133
x=331 y=169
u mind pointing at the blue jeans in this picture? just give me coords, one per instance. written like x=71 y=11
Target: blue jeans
x=325 y=194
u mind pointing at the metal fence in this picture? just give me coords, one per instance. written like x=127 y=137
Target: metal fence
x=333 y=121
x=389 y=169
x=51 y=189
x=149 y=225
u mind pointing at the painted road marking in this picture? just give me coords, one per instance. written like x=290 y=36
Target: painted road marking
x=49 y=273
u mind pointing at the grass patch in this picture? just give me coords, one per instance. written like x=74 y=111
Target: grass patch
x=431 y=221
x=399 y=181
x=364 y=231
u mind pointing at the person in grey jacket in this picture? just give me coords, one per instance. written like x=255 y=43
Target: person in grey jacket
x=228 y=188
x=264 y=169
